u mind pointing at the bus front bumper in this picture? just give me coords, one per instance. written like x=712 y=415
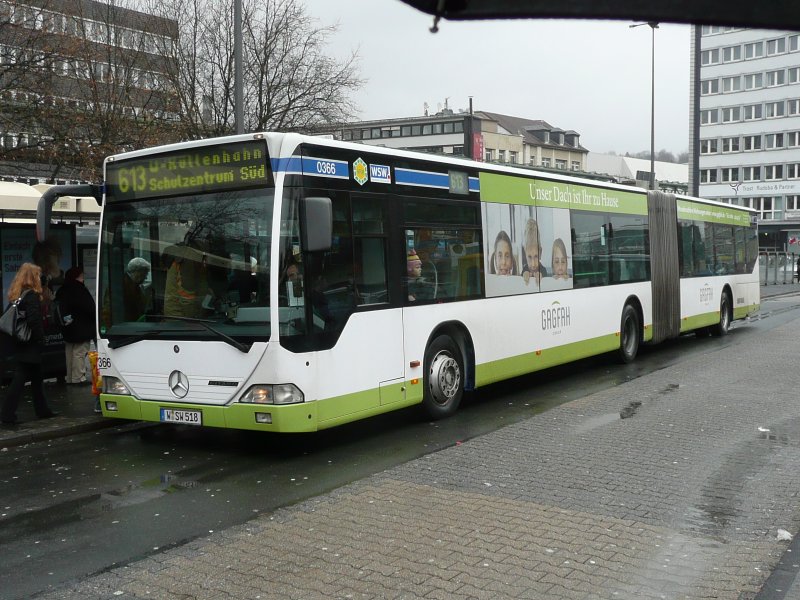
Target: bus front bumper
x=281 y=418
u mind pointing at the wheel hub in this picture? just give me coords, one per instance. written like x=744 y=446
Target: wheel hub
x=445 y=378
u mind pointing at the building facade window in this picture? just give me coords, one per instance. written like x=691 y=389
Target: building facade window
x=729 y=174
x=773 y=110
x=751 y=142
x=731 y=114
x=730 y=144
x=546 y=162
x=793 y=171
x=731 y=53
x=793 y=107
x=512 y=157
x=777 y=77
x=753 y=81
x=776 y=46
x=751 y=173
x=709 y=57
x=576 y=165
x=753 y=112
x=792 y=139
x=708 y=175
x=772 y=172
x=754 y=50
x=793 y=74
x=731 y=84
x=709 y=117
x=773 y=141
x=708 y=146
x=709 y=86
x=561 y=164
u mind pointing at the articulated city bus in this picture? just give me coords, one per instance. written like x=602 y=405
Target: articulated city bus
x=285 y=283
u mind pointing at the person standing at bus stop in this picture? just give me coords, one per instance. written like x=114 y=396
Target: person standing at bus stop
x=78 y=311
x=27 y=285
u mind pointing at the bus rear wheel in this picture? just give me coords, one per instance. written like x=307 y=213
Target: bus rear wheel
x=724 y=324
x=444 y=378
x=630 y=333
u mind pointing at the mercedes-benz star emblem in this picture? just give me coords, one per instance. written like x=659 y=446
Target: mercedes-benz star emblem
x=178 y=384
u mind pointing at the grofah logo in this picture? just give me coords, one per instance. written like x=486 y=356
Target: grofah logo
x=360 y=171
x=706 y=294
x=556 y=317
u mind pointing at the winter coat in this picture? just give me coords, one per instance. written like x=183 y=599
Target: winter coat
x=75 y=300
x=31 y=351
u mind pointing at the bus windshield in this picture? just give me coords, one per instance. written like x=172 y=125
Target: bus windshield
x=187 y=267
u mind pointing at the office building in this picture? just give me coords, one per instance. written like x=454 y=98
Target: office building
x=746 y=125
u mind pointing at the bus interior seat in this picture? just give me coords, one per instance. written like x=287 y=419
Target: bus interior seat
x=431 y=275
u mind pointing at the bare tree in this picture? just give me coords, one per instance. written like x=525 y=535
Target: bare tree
x=79 y=88
x=290 y=82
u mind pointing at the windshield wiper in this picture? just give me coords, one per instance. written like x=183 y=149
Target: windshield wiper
x=205 y=323
x=132 y=339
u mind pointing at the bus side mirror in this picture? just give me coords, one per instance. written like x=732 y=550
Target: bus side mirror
x=317 y=220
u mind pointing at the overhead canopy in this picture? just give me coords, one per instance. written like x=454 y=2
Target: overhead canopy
x=774 y=14
x=20 y=201
x=17 y=198
x=85 y=205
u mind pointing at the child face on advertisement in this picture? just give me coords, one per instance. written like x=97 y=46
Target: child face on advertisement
x=532 y=254
x=559 y=263
x=502 y=258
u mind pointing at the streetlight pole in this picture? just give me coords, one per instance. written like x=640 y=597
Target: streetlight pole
x=653 y=26
x=238 y=92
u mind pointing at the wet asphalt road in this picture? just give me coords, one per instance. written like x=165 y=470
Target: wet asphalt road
x=79 y=505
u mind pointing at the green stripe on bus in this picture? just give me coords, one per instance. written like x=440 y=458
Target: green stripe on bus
x=695 y=211
x=509 y=189
x=527 y=363
x=742 y=311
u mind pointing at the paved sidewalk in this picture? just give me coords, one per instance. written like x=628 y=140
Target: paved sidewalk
x=684 y=499
x=74 y=402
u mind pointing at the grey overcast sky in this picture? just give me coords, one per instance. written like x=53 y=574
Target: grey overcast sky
x=590 y=76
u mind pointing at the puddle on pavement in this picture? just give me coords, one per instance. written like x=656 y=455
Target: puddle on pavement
x=594 y=422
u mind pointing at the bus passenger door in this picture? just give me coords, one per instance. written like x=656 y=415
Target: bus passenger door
x=376 y=297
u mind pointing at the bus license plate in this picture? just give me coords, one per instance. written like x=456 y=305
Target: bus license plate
x=184 y=417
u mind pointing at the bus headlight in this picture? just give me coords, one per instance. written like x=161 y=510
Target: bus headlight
x=113 y=385
x=281 y=393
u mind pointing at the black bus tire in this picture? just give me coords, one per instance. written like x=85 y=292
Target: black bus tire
x=724 y=324
x=444 y=378
x=630 y=334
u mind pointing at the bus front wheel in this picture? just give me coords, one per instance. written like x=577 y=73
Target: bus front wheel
x=630 y=332
x=724 y=324
x=444 y=378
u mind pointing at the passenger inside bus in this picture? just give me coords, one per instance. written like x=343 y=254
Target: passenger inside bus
x=187 y=286
x=418 y=287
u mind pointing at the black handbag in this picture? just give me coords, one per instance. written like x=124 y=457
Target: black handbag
x=13 y=322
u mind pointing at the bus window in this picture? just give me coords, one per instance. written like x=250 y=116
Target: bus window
x=590 y=249
x=451 y=264
x=710 y=259
x=724 y=247
x=331 y=281
x=369 y=244
x=630 y=254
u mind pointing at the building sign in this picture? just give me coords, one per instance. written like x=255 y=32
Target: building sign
x=477 y=146
x=197 y=170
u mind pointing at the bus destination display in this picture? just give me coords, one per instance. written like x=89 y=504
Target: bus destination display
x=221 y=167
